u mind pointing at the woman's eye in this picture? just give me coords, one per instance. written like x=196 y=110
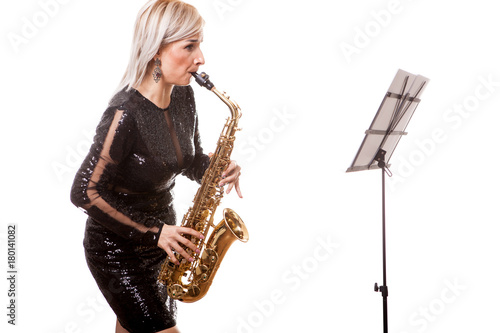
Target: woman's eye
x=189 y=47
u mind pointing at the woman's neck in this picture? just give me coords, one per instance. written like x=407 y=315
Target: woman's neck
x=158 y=93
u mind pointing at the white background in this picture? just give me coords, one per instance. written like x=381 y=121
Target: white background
x=309 y=76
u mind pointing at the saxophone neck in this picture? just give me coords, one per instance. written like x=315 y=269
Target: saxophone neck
x=203 y=80
x=232 y=105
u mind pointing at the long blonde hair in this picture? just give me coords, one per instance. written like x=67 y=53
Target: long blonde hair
x=158 y=23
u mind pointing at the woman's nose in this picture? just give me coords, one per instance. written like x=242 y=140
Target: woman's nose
x=199 y=60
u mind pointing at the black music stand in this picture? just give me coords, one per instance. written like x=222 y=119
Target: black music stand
x=381 y=140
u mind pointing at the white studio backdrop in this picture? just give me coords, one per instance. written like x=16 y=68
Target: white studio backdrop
x=309 y=77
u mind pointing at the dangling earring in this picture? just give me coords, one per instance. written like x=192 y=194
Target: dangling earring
x=157 y=71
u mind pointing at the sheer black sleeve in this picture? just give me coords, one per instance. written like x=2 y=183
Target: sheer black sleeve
x=93 y=186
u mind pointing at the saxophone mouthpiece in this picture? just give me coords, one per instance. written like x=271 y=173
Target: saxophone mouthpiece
x=202 y=80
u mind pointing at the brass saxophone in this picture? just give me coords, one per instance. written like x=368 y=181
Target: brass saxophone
x=189 y=281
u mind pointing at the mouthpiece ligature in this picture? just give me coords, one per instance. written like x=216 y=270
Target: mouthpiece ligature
x=202 y=80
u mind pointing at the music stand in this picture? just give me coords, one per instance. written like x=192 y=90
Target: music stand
x=381 y=139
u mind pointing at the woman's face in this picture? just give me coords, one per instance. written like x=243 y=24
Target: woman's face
x=179 y=59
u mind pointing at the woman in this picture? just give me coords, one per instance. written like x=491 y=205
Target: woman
x=146 y=137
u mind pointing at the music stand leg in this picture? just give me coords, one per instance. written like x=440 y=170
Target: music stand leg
x=380 y=157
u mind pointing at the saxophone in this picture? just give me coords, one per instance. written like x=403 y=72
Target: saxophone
x=189 y=281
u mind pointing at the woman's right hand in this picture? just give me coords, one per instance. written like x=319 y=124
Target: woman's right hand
x=172 y=235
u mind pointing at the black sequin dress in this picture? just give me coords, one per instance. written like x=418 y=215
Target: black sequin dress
x=125 y=186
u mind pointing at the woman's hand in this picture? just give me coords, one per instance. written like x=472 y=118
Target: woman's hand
x=231 y=177
x=172 y=235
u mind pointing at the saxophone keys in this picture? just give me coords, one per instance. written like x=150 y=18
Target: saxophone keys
x=204 y=214
x=194 y=291
x=201 y=269
x=201 y=273
x=209 y=257
x=176 y=291
x=204 y=257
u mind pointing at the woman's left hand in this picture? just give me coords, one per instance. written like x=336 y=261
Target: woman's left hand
x=231 y=177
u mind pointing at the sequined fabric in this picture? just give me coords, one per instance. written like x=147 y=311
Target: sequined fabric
x=125 y=186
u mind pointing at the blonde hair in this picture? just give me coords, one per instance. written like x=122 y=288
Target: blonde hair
x=158 y=23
